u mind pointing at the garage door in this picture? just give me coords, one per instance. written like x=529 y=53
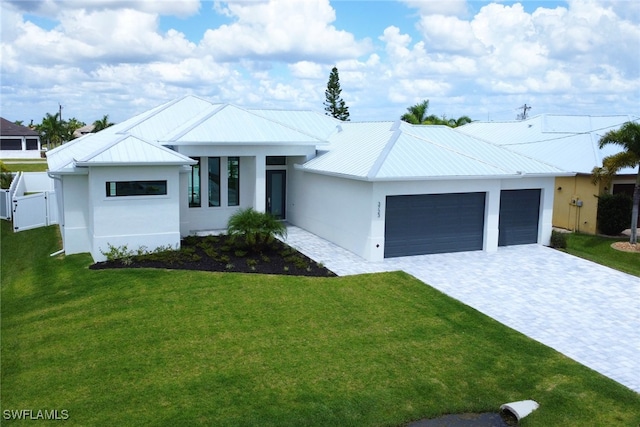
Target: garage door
x=519 y=215
x=433 y=223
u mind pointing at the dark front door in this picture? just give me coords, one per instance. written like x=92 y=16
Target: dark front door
x=276 y=192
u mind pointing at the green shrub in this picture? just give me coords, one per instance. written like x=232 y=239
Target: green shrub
x=558 y=240
x=5 y=176
x=254 y=229
x=614 y=213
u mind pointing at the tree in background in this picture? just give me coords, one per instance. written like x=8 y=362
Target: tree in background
x=417 y=115
x=627 y=137
x=71 y=126
x=51 y=130
x=101 y=124
x=334 y=104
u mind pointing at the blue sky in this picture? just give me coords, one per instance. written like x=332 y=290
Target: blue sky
x=477 y=58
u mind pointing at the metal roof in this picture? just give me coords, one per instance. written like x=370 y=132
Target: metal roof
x=228 y=124
x=311 y=122
x=400 y=151
x=186 y=120
x=133 y=150
x=568 y=142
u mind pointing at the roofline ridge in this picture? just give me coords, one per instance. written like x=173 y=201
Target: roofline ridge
x=206 y=114
x=377 y=165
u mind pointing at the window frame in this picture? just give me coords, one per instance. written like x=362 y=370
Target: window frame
x=120 y=188
x=193 y=193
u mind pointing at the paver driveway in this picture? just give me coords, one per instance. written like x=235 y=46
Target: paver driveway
x=586 y=311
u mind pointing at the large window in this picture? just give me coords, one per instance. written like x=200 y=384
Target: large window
x=194 y=185
x=233 y=181
x=214 y=181
x=136 y=188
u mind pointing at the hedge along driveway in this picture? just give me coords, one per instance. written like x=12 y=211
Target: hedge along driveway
x=586 y=311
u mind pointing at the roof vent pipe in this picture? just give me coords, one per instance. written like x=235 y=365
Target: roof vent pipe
x=339 y=128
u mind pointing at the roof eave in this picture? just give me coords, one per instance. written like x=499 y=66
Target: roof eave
x=105 y=164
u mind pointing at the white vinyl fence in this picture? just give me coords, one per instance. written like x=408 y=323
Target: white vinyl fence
x=38 y=209
x=6 y=196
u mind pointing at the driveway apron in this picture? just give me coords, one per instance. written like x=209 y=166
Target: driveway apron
x=586 y=311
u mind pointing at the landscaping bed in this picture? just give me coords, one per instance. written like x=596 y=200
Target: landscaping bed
x=220 y=253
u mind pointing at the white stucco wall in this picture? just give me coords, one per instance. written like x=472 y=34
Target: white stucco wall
x=74 y=217
x=351 y=213
x=135 y=221
x=339 y=210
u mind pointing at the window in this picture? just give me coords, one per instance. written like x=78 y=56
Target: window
x=233 y=180
x=276 y=160
x=136 y=188
x=214 y=181
x=194 y=185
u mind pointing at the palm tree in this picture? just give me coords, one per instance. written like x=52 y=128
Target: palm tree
x=101 y=124
x=627 y=137
x=416 y=114
x=51 y=129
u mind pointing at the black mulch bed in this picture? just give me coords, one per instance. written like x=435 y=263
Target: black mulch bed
x=218 y=253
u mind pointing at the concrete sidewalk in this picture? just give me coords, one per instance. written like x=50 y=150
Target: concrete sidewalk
x=586 y=311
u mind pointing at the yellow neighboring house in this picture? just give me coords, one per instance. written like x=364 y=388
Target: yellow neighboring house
x=569 y=143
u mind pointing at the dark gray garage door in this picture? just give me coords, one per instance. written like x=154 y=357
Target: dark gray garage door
x=519 y=214
x=433 y=223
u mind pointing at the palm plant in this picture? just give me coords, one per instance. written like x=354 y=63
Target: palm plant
x=256 y=229
x=416 y=114
x=51 y=129
x=627 y=137
x=101 y=124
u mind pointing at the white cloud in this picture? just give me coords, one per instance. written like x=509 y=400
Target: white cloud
x=284 y=30
x=439 y=7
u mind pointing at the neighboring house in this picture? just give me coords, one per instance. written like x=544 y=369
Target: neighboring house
x=378 y=189
x=570 y=143
x=86 y=129
x=18 y=142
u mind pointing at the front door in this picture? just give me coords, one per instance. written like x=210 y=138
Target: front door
x=276 y=192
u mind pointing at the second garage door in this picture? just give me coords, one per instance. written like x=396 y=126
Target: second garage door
x=519 y=214
x=434 y=223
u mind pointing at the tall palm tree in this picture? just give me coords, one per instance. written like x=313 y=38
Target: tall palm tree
x=101 y=124
x=627 y=137
x=416 y=114
x=51 y=129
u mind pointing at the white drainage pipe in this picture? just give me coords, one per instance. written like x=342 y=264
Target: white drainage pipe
x=521 y=408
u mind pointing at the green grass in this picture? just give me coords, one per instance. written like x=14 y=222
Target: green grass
x=598 y=249
x=26 y=166
x=153 y=347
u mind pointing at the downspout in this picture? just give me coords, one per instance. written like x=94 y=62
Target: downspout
x=60 y=211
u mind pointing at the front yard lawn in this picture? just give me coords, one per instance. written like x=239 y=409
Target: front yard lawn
x=598 y=249
x=159 y=347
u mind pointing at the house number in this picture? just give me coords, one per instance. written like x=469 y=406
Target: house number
x=378 y=209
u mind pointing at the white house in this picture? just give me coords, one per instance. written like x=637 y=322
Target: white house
x=18 y=142
x=569 y=142
x=379 y=189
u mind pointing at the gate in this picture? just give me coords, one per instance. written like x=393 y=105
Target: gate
x=34 y=210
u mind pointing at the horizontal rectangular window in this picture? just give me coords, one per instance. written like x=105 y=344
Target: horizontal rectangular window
x=136 y=188
x=276 y=160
